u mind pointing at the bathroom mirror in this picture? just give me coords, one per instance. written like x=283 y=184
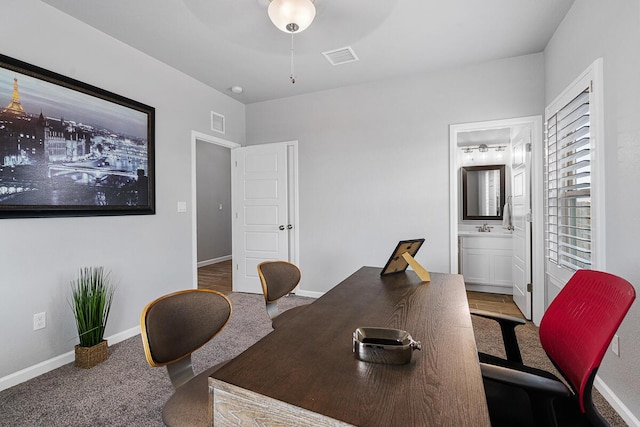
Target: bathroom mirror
x=483 y=192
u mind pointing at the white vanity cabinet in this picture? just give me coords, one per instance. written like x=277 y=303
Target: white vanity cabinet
x=486 y=261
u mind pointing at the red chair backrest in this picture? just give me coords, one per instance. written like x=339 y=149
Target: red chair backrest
x=580 y=322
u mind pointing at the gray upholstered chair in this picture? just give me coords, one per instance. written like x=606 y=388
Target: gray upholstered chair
x=174 y=326
x=278 y=279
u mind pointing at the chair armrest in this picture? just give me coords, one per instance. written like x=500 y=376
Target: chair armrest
x=508 y=328
x=498 y=317
x=528 y=381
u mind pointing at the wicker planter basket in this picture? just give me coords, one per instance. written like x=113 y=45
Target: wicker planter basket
x=87 y=357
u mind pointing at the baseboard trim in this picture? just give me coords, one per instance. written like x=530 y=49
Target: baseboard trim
x=56 y=362
x=492 y=289
x=616 y=403
x=310 y=294
x=213 y=261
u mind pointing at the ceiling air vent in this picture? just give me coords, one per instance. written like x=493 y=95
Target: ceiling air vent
x=340 y=56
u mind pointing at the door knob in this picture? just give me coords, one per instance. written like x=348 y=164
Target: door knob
x=281 y=227
x=289 y=227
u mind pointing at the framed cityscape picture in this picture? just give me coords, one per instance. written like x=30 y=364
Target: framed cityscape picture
x=71 y=149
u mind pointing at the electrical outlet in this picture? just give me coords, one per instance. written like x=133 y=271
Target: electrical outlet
x=615 y=345
x=39 y=320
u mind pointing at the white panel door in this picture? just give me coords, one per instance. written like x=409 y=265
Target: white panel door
x=521 y=266
x=261 y=224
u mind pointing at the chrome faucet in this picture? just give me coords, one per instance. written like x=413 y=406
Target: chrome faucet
x=484 y=228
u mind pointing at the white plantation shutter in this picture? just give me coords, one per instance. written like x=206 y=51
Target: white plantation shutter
x=568 y=184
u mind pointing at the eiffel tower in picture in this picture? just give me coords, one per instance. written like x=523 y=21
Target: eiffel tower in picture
x=15 y=106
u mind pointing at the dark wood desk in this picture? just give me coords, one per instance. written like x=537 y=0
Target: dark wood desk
x=305 y=372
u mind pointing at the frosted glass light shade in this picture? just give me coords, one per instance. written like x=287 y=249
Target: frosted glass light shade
x=298 y=12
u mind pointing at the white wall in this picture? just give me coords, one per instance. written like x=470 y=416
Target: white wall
x=611 y=30
x=148 y=255
x=374 y=159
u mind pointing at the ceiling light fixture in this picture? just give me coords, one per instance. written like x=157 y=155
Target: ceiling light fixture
x=292 y=16
x=483 y=148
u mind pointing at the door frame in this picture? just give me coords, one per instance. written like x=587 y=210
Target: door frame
x=203 y=137
x=537 y=233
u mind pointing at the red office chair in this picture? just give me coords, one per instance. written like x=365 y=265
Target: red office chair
x=575 y=332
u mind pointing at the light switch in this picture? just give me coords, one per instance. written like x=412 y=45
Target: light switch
x=182 y=207
x=220 y=207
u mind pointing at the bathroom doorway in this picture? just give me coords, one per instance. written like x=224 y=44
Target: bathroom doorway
x=517 y=143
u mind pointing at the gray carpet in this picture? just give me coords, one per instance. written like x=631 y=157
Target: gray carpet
x=126 y=391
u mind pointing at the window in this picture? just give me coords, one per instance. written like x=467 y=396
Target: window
x=569 y=185
x=569 y=160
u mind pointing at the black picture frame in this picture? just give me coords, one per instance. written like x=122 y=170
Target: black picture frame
x=68 y=148
x=396 y=262
x=471 y=194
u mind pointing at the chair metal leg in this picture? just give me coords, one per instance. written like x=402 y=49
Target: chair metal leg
x=272 y=310
x=180 y=372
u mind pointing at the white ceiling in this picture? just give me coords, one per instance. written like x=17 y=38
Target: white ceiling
x=225 y=43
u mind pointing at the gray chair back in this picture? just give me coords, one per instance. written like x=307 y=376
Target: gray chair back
x=278 y=278
x=175 y=325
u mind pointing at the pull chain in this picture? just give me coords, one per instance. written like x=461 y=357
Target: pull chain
x=292 y=77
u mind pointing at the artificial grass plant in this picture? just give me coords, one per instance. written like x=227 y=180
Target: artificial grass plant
x=92 y=293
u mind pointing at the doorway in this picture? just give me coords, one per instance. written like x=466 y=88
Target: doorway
x=533 y=262
x=243 y=280
x=206 y=152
